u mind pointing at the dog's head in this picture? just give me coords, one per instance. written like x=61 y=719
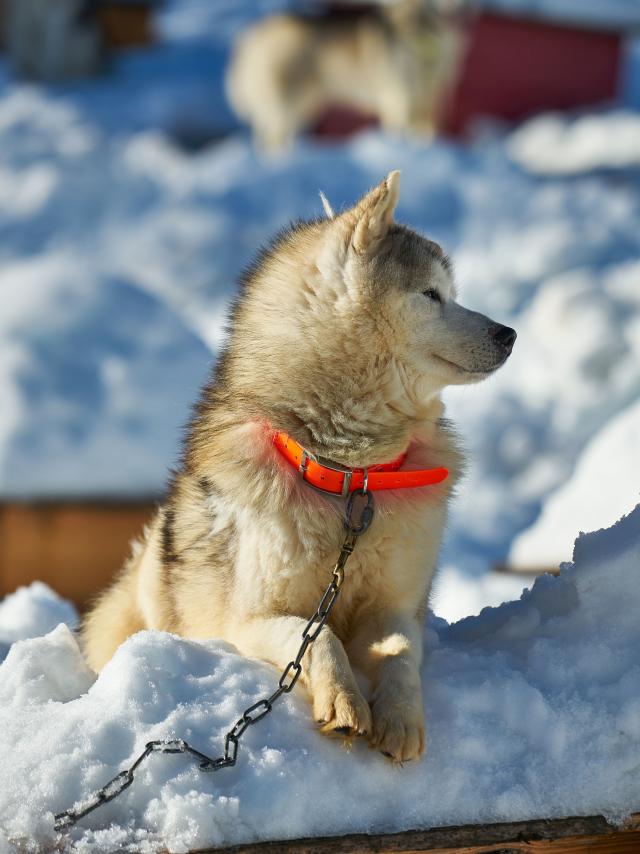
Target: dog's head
x=407 y=283
x=351 y=326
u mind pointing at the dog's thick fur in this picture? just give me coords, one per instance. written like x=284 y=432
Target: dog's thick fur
x=344 y=335
x=396 y=64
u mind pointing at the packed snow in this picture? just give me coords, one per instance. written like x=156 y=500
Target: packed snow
x=30 y=612
x=521 y=702
x=549 y=144
x=602 y=474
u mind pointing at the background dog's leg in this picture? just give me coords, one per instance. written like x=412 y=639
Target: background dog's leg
x=388 y=648
x=326 y=672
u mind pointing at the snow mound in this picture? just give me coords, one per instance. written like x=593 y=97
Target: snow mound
x=613 y=14
x=604 y=485
x=554 y=145
x=522 y=701
x=98 y=438
x=30 y=612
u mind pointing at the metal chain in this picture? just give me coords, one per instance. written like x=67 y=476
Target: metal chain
x=355 y=526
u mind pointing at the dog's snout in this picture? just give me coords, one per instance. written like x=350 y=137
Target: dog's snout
x=504 y=335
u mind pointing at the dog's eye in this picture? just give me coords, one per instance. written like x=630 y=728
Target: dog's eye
x=433 y=294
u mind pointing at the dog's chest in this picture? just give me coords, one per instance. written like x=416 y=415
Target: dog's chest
x=286 y=564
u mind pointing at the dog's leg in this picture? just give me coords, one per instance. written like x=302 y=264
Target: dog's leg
x=388 y=648
x=112 y=619
x=326 y=672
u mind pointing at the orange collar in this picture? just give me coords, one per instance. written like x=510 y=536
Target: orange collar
x=341 y=481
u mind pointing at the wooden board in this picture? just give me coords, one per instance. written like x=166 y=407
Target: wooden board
x=74 y=547
x=527 y=572
x=577 y=835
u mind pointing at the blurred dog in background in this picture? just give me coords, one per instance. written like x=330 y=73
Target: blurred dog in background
x=395 y=61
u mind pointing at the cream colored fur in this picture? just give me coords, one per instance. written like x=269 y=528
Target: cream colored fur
x=397 y=64
x=345 y=333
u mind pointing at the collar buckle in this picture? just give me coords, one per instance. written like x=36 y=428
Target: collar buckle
x=346 y=483
x=304 y=462
x=347 y=473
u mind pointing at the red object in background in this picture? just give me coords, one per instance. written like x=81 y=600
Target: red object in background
x=337 y=122
x=515 y=67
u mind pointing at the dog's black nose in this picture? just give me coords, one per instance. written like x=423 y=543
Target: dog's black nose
x=504 y=335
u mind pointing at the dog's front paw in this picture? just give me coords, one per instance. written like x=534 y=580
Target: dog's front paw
x=398 y=729
x=342 y=710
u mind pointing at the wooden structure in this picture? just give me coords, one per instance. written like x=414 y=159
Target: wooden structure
x=527 y=573
x=74 y=547
x=125 y=24
x=579 y=835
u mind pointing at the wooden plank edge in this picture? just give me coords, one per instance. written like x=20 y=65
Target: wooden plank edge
x=527 y=573
x=90 y=502
x=560 y=836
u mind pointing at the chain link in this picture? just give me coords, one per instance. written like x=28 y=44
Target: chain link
x=356 y=523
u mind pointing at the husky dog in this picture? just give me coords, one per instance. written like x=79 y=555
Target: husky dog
x=395 y=63
x=343 y=337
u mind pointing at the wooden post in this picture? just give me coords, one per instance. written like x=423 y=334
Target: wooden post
x=125 y=24
x=75 y=548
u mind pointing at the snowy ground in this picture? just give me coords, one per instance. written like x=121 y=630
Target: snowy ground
x=121 y=245
x=131 y=255
x=121 y=241
x=31 y=612
x=533 y=709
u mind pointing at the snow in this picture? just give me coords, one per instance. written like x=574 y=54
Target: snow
x=549 y=144
x=455 y=594
x=573 y=368
x=77 y=421
x=602 y=474
x=134 y=244
x=132 y=253
x=125 y=222
x=612 y=15
x=30 y=612
x=522 y=701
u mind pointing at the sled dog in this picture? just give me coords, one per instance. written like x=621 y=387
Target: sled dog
x=395 y=63
x=344 y=334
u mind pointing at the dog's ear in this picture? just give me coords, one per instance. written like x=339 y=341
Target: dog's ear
x=373 y=214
